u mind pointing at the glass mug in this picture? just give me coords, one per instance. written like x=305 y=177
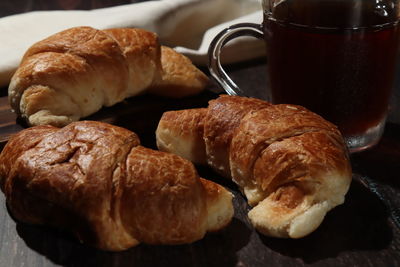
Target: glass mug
x=335 y=57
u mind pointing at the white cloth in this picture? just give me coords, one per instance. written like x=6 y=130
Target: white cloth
x=187 y=25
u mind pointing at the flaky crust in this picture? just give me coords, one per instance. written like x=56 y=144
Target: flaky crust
x=143 y=56
x=223 y=117
x=290 y=163
x=179 y=77
x=74 y=73
x=95 y=180
x=261 y=128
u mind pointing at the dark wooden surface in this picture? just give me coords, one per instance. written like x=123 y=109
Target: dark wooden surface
x=365 y=231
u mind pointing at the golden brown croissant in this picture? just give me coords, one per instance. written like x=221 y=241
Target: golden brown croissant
x=291 y=164
x=73 y=73
x=95 y=180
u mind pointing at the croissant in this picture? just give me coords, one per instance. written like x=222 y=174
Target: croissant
x=73 y=73
x=291 y=164
x=95 y=180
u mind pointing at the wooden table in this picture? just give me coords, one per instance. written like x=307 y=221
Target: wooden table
x=365 y=231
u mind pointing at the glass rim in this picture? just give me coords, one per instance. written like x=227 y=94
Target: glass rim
x=268 y=15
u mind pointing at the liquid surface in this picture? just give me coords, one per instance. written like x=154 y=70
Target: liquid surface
x=335 y=13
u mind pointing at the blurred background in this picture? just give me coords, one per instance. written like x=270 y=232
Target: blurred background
x=10 y=7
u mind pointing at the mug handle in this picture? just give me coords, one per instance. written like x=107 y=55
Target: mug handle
x=214 y=51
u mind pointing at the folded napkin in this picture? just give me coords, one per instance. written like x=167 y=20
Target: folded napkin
x=187 y=25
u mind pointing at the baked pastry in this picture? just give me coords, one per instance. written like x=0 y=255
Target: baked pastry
x=95 y=180
x=290 y=163
x=73 y=73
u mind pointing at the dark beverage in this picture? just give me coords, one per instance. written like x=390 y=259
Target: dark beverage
x=341 y=69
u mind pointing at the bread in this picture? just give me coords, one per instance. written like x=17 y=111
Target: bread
x=73 y=73
x=291 y=164
x=95 y=180
x=179 y=77
x=189 y=142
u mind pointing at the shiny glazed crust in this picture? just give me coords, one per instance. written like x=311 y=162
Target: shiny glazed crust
x=290 y=163
x=74 y=73
x=95 y=180
x=221 y=121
